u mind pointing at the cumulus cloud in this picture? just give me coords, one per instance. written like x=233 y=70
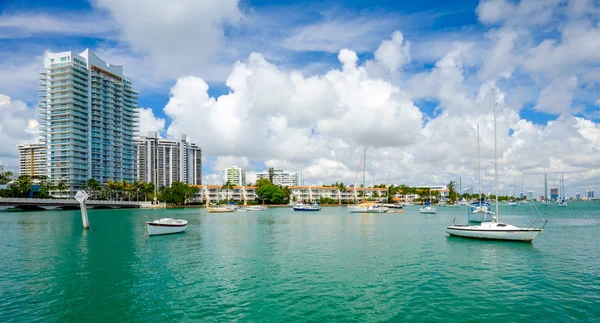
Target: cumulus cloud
x=148 y=122
x=18 y=123
x=556 y=98
x=176 y=35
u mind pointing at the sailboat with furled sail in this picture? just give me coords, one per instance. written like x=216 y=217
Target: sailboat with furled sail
x=496 y=230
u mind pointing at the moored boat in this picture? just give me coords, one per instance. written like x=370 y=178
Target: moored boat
x=220 y=209
x=307 y=207
x=496 y=230
x=367 y=207
x=427 y=209
x=166 y=226
x=256 y=208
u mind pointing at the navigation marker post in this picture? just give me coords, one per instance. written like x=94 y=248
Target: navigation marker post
x=81 y=196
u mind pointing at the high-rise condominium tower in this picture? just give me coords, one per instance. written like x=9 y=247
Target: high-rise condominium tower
x=89 y=117
x=164 y=161
x=32 y=159
x=235 y=175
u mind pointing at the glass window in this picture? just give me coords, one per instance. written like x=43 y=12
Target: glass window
x=52 y=60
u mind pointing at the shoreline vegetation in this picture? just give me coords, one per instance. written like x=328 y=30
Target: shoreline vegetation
x=181 y=194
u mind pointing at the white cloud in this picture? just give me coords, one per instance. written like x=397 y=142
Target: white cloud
x=148 y=122
x=18 y=124
x=179 y=35
x=19 y=25
x=556 y=98
x=223 y=162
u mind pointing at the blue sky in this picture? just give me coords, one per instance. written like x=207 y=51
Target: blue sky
x=540 y=57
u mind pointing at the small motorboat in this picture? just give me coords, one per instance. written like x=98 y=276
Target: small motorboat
x=428 y=209
x=307 y=207
x=166 y=226
x=256 y=208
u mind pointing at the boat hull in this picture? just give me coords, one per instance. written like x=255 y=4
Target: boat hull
x=155 y=229
x=215 y=210
x=427 y=210
x=523 y=235
x=301 y=209
x=256 y=209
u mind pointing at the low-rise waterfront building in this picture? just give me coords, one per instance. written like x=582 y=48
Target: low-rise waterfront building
x=164 y=161
x=214 y=193
x=32 y=159
x=315 y=193
x=235 y=175
x=281 y=177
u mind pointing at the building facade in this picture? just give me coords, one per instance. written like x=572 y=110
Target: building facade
x=589 y=194
x=215 y=193
x=282 y=178
x=577 y=197
x=235 y=175
x=554 y=193
x=88 y=119
x=164 y=161
x=32 y=159
x=315 y=193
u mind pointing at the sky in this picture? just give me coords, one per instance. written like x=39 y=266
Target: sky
x=306 y=86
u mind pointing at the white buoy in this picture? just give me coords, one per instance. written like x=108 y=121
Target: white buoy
x=81 y=196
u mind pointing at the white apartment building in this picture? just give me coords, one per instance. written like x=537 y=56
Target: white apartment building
x=164 y=161
x=282 y=178
x=235 y=175
x=88 y=119
x=214 y=193
x=314 y=193
x=32 y=159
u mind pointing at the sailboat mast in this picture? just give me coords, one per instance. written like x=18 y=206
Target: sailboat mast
x=478 y=164
x=545 y=187
x=364 y=165
x=495 y=153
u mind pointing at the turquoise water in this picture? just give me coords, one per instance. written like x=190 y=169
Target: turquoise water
x=280 y=265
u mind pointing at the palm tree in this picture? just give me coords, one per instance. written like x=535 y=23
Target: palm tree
x=128 y=188
x=137 y=186
x=93 y=186
x=5 y=177
x=61 y=187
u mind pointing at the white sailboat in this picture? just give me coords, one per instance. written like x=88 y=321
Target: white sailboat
x=366 y=207
x=562 y=202
x=496 y=230
x=545 y=202
x=479 y=211
x=427 y=208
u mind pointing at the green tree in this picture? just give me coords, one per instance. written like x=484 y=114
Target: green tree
x=93 y=186
x=270 y=194
x=61 y=187
x=452 y=191
x=263 y=182
x=271 y=174
x=177 y=194
x=6 y=177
